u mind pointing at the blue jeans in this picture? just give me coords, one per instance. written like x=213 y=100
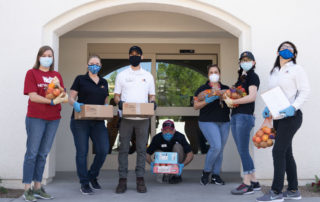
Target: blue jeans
x=41 y=134
x=216 y=134
x=241 y=125
x=98 y=133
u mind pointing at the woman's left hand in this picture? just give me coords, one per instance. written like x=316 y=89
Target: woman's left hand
x=290 y=111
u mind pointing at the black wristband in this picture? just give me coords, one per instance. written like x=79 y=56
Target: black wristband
x=120 y=103
x=155 y=104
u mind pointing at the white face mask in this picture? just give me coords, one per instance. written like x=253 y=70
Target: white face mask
x=214 y=78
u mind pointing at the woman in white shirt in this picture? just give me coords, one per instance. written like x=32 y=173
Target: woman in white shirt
x=293 y=81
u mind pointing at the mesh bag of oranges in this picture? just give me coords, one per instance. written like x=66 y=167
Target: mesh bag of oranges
x=54 y=89
x=210 y=93
x=234 y=93
x=265 y=136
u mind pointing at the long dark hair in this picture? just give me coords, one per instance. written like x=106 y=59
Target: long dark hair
x=295 y=53
x=40 y=53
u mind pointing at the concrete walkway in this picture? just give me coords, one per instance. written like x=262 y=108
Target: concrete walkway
x=65 y=187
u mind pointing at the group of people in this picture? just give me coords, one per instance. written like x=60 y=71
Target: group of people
x=137 y=85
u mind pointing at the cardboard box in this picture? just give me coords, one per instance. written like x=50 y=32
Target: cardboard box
x=166 y=158
x=137 y=109
x=166 y=168
x=94 y=112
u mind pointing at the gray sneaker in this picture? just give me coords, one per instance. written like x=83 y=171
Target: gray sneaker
x=292 y=195
x=271 y=196
x=243 y=189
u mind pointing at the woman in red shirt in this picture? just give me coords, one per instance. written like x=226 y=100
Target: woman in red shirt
x=42 y=121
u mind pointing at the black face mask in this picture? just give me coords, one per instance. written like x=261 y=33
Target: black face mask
x=135 y=60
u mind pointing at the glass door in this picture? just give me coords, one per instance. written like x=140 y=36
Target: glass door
x=177 y=79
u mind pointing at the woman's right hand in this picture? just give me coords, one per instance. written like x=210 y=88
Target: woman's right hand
x=77 y=106
x=211 y=99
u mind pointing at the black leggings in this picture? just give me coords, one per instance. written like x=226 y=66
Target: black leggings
x=283 y=160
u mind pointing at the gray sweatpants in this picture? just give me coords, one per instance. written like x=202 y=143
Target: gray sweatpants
x=141 y=129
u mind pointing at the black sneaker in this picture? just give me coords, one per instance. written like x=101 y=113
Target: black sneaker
x=204 y=178
x=243 y=189
x=175 y=179
x=86 y=189
x=95 y=184
x=216 y=179
x=256 y=186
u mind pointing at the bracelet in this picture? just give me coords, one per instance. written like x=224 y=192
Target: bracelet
x=52 y=104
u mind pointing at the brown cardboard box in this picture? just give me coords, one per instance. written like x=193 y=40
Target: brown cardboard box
x=94 y=112
x=137 y=109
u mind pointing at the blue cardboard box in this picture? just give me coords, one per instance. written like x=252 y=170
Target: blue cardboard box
x=166 y=158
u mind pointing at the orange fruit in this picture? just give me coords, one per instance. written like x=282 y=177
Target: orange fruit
x=258 y=139
x=254 y=138
x=50 y=96
x=265 y=137
x=49 y=90
x=260 y=133
x=266 y=130
x=56 y=92
x=256 y=144
x=51 y=85
x=264 y=144
x=269 y=142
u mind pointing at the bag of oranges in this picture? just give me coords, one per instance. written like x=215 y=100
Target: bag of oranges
x=265 y=136
x=210 y=93
x=54 y=89
x=234 y=93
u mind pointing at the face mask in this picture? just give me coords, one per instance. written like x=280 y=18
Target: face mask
x=286 y=54
x=94 y=69
x=214 y=78
x=246 y=66
x=46 y=61
x=168 y=136
x=135 y=60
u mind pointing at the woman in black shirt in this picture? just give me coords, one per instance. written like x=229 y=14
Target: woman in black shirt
x=242 y=121
x=89 y=89
x=214 y=123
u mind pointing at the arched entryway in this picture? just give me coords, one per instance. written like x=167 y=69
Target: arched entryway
x=57 y=31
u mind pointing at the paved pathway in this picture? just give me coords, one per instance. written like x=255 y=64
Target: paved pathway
x=65 y=187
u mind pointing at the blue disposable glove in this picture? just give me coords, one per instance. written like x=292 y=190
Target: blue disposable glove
x=211 y=99
x=181 y=166
x=266 y=113
x=77 y=106
x=151 y=166
x=290 y=111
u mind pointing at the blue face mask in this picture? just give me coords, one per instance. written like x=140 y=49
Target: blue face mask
x=286 y=54
x=246 y=66
x=167 y=136
x=94 y=69
x=46 y=61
